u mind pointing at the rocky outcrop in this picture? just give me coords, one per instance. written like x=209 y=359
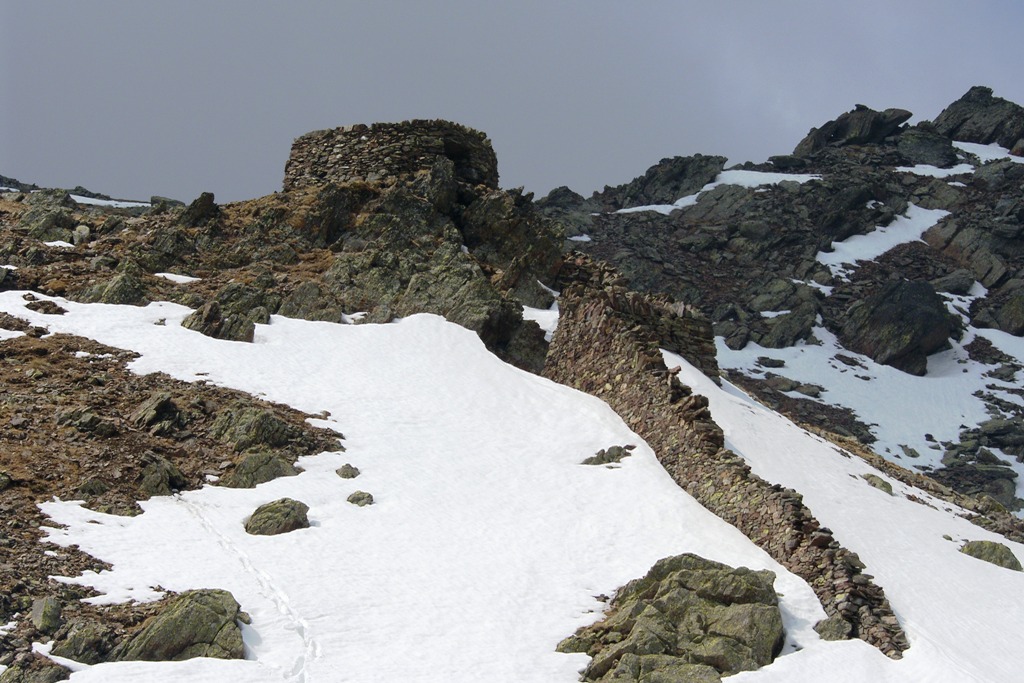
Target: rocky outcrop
x=601 y=348
x=201 y=623
x=663 y=183
x=901 y=326
x=386 y=151
x=860 y=126
x=980 y=117
x=688 y=619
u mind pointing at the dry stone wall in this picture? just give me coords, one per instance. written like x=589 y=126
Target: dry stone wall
x=603 y=347
x=387 y=151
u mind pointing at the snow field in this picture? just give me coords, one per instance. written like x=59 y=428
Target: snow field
x=487 y=541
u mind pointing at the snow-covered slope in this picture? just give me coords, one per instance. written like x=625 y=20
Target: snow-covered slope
x=488 y=541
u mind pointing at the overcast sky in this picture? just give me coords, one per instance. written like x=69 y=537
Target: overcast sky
x=134 y=98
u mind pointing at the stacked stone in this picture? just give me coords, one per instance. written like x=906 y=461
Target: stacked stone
x=605 y=346
x=386 y=152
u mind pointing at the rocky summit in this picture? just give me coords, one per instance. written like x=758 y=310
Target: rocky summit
x=877 y=255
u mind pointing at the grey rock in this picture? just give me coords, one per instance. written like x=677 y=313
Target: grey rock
x=992 y=551
x=609 y=455
x=878 y=482
x=160 y=477
x=665 y=182
x=46 y=614
x=248 y=427
x=834 y=628
x=47 y=223
x=84 y=641
x=347 y=471
x=922 y=145
x=257 y=468
x=687 y=617
x=278 y=517
x=201 y=623
x=209 y=320
x=361 y=498
x=40 y=670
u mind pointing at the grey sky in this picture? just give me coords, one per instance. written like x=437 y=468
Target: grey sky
x=174 y=98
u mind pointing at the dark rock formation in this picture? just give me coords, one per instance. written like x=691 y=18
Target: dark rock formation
x=202 y=209
x=663 y=183
x=278 y=517
x=687 y=619
x=257 y=468
x=980 y=117
x=899 y=326
x=862 y=125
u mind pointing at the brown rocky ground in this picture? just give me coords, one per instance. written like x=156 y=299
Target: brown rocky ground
x=77 y=425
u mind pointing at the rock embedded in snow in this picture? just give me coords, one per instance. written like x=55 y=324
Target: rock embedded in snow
x=210 y=321
x=606 y=456
x=992 y=551
x=278 y=517
x=199 y=623
x=686 y=615
x=361 y=498
x=347 y=471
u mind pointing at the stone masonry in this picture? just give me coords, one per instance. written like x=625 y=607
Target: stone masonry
x=387 y=151
x=603 y=348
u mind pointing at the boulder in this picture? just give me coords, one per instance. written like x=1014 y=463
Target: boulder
x=980 y=117
x=84 y=641
x=921 y=144
x=209 y=320
x=361 y=498
x=246 y=427
x=200 y=623
x=48 y=223
x=347 y=471
x=860 y=126
x=900 y=326
x=687 y=617
x=257 y=468
x=46 y=614
x=992 y=551
x=161 y=477
x=37 y=670
x=278 y=517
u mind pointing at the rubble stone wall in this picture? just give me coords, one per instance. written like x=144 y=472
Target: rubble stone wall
x=382 y=151
x=602 y=347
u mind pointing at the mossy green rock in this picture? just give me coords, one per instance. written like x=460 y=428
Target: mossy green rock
x=201 y=623
x=246 y=428
x=991 y=551
x=85 y=642
x=46 y=614
x=878 y=482
x=688 y=619
x=40 y=671
x=257 y=468
x=278 y=517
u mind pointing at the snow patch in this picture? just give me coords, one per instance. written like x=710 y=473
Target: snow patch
x=180 y=279
x=115 y=203
x=986 y=153
x=935 y=171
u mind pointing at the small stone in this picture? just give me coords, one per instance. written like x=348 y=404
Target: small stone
x=347 y=471
x=361 y=498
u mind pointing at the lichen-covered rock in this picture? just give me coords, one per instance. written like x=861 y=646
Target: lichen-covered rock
x=900 y=326
x=361 y=498
x=210 y=321
x=202 y=209
x=246 y=428
x=46 y=614
x=665 y=182
x=257 y=468
x=278 y=517
x=992 y=551
x=84 y=641
x=687 y=617
x=161 y=477
x=47 y=223
x=200 y=623
x=348 y=471
x=38 y=670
